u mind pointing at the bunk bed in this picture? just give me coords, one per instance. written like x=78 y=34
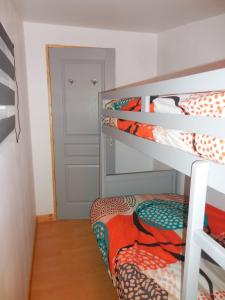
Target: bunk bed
x=147 y=240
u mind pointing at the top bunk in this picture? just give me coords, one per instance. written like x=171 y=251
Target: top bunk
x=190 y=84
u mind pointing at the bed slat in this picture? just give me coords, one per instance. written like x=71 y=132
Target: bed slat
x=211 y=247
x=203 y=125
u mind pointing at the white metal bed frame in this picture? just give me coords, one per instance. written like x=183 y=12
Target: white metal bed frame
x=203 y=173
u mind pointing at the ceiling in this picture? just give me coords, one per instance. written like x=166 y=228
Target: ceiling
x=133 y=15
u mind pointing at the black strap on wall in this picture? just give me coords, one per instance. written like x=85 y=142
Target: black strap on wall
x=6 y=39
x=6 y=65
x=6 y=126
x=7 y=95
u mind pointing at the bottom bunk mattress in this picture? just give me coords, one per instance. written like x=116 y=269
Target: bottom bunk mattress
x=142 y=243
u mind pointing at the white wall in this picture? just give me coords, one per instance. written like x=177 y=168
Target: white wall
x=136 y=55
x=188 y=46
x=17 y=211
x=191 y=45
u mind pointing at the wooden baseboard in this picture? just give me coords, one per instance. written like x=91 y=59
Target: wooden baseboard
x=39 y=219
x=45 y=218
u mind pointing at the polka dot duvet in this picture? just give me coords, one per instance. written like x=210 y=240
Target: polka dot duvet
x=142 y=242
x=211 y=104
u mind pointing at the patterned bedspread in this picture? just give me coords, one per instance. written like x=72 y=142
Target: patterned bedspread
x=210 y=104
x=142 y=243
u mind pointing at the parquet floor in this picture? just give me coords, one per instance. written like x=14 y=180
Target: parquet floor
x=67 y=264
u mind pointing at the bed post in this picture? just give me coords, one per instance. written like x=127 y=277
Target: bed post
x=199 y=178
x=145 y=103
x=102 y=168
x=187 y=184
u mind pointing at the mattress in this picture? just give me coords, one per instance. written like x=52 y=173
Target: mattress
x=203 y=104
x=142 y=242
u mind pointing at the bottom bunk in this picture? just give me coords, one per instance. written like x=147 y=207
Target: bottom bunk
x=142 y=243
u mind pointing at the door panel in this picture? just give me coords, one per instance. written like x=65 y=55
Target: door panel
x=81 y=150
x=77 y=76
x=83 y=80
x=85 y=176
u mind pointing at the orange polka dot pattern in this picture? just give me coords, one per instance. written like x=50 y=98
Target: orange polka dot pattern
x=141 y=258
x=210 y=148
x=213 y=105
x=220 y=295
x=188 y=139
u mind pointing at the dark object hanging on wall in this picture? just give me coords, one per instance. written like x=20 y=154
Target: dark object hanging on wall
x=7 y=82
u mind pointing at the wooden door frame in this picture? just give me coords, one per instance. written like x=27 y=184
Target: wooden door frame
x=53 y=216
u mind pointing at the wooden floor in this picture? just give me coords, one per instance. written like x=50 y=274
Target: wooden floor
x=67 y=264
